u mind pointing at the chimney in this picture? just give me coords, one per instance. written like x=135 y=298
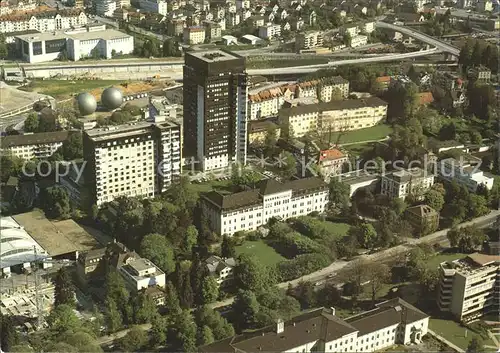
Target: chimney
x=280 y=326
x=332 y=309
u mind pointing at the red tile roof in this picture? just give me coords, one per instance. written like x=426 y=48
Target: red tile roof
x=383 y=79
x=330 y=154
x=425 y=98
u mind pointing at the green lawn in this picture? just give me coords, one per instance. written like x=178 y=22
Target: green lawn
x=58 y=88
x=359 y=148
x=339 y=229
x=453 y=332
x=268 y=64
x=264 y=252
x=211 y=185
x=377 y=132
x=434 y=262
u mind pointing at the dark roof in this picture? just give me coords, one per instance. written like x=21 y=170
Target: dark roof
x=255 y=126
x=334 y=105
x=34 y=139
x=388 y=313
x=421 y=211
x=266 y=187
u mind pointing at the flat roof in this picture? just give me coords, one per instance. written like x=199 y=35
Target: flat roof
x=112 y=132
x=214 y=56
x=34 y=139
x=108 y=34
x=56 y=237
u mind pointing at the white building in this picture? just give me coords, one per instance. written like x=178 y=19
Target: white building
x=30 y=146
x=265 y=103
x=484 y=6
x=155 y=6
x=359 y=40
x=351 y=29
x=464 y=173
x=105 y=7
x=221 y=269
x=46 y=21
x=76 y=44
x=18 y=247
x=402 y=183
x=308 y=40
x=331 y=162
x=269 y=31
x=390 y=323
x=140 y=273
x=248 y=210
x=368 y=27
x=131 y=160
x=470 y=287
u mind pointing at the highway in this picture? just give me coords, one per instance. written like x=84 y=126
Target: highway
x=442 y=46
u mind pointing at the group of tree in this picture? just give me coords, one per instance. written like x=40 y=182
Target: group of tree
x=152 y=47
x=55 y=202
x=477 y=52
x=461 y=204
x=466 y=239
x=44 y=121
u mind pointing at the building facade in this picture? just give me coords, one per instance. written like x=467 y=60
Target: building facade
x=30 y=146
x=221 y=269
x=258 y=130
x=424 y=219
x=358 y=41
x=194 y=35
x=330 y=162
x=248 y=210
x=131 y=160
x=308 y=40
x=390 y=323
x=105 y=7
x=45 y=21
x=215 y=109
x=464 y=173
x=269 y=31
x=402 y=183
x=75 y=45
x=155 y=6
x=470 y=287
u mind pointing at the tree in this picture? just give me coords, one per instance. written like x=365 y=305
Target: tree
x=62 y=318
x=64 y=291
x=467 y=238
x=112 y=315
x=135 y=339
x=184 y=332
x=158 y=249
x=227 y=248
x=287 y=165
x=464 y=57
x=477 y=206
x=55 y=202
x=434 y=199
x=347 y=39
x=144 y=308
x=271 y=139
x=245 y=310
x=8 y=333
x=205 y=336
x=210 y=290
x=170 y=48
x=407 y=140
x=304 y=292
x=475 y=137
x=337 y=95
x=72 y=148
x=9 y=166
x=356 y=274
x=339 y=193
x=31 y=123
x=4 y=52
x=379 y=275
x=365 y=233
x=251 y=274
x=158 y=332
x=475 y=345
x=186 y=295
x=476 y=54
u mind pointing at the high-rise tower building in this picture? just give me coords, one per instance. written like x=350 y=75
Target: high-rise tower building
x=215 y=106
x=131 y=160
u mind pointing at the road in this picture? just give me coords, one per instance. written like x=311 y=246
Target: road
x=12 y=120
x=439 y=236
x=441 y=45
x=105 y=340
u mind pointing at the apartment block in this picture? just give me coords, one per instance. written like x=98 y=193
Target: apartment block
x=464 y=173
x=30 y=146
x=215 y=109
x=330 y=162
x=43 y=21
x=248 y=210
x=138 y=160
x=404 y=182
x=194 y=35
x=269 y=31
x=351 y=29
x=358 y=41
x=342 y=115
x=105 y=7
x=394 y=322
x=470 y=287
x=257 y=130
x=265 y=103
x=308 y=40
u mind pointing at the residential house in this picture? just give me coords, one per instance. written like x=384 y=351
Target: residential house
x=221 y=269
x=258 y=130
x=257 y=21
x=194 y=35
x=351 y=29
x=270 y=31
x=43 y=21
x=464 y=173
x=424 y=219
x=30 y=146
x=308 y=40
x=331 y=162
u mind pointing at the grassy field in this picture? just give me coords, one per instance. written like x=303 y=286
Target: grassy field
x=339 y=229
x=264 y=252
x=434 y=262
x=211 y=185
x=453 y=332
x=269 y=64
x=358 y=148
x=61 y=88
x=376 y=132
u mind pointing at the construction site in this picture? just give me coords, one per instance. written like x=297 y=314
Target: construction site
x=33 y=250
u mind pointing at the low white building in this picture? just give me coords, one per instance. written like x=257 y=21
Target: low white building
x=269 y=31
x=76 y=44
x=402 y=183
x=368 y=27
x=248 y=210
x=30 y=146
x=464 y=173
x=155 y=6
x=140 y=273
x=358 y=41
x=394 y=322
x=194 y=35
